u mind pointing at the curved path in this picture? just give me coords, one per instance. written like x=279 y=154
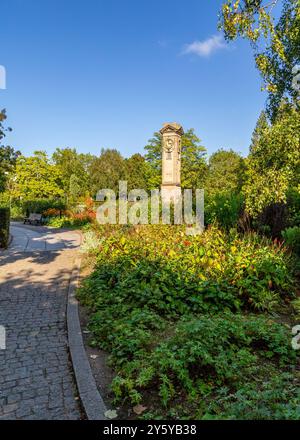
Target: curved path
x=36 y=378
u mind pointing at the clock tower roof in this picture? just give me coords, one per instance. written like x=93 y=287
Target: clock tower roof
x=172 y=127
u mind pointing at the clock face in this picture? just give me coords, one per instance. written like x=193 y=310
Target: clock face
x=169 y=145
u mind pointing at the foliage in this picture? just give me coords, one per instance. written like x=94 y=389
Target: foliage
x=60 y=222
x=37 y=178
x=4 y=227
x=261 y=125
x=75 y=189
x=274 y=163
x=8 y=155
x=292 y=238
x=293 y=203
x=158 y=267
x=53 y=212
x=193 y=160
x=16 y=212
x=71 y=218
x=224 y=209
x=41 y=206
x=4 y=199
x=75 y=169
x=202 y=354
x=91 y=242
x=137 y=172
x=168 y=309
x=226 y=171
x=106 y=171
x=272 y=220
x=276 y=399
x=276 y=44
x=163 y=305
x=73 y=221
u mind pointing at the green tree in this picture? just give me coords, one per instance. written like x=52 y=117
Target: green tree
x=71 y=163
x=193 y=164
x=276 y=42
x=261 y=125
x=37 y=177
x=8 y=155
x=193 y=160
x=226 y=170
x=107 y=170
x=274 y=163
x=153 y=158
x=75 y=189
x=137 y=172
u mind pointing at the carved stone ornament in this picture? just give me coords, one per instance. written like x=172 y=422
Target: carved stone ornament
x=169 y=145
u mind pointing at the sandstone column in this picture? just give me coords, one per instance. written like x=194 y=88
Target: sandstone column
x=171 y=161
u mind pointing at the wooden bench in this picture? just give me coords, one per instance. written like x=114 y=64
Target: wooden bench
x=33 y=219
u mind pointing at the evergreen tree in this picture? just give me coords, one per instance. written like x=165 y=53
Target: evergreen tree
x=75 y=189
x=261 y=125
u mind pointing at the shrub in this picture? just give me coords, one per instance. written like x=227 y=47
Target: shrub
x=4 y=227
x=197 y=357
x=274 y=399
x=225 y=209
x=17 y=212
x=292 y=238
x=162 y=305
x=293 y=202
x=91 y=242
x=71 y=220
x=59 y=222
x=160 y=268
x=53 y=212
x=84 y=217
x=273 y=220
x=38 y=206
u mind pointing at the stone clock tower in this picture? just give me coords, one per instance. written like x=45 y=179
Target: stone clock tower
x=171 y=160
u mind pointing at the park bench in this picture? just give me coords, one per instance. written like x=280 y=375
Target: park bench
x=33 y=219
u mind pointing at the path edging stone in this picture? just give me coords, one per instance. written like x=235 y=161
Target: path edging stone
x=90 y=397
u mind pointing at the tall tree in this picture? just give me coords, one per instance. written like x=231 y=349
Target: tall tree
x=71 y=163
x=107 y=170
x=8 y=155
x=154 y=159
x=193 y=160
x=75 y=189
x=276 y=42
x=261 y=125
x=226 y=171
x=274 y=163
x=37 y=177
x=137 y=172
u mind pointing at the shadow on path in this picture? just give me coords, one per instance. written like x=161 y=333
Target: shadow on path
x=36 y=378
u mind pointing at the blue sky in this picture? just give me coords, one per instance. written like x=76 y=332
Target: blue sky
x=108 y=73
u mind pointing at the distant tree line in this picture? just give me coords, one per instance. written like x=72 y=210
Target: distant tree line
x=237 y=189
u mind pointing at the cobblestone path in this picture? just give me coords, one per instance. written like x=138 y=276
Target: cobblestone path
x=36 y=380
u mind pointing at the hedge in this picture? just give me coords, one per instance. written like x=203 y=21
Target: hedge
x=38 y=206
x=4 y=227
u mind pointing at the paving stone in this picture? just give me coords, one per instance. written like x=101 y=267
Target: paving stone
x=13 y=398
x=36 y=378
